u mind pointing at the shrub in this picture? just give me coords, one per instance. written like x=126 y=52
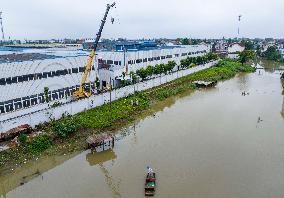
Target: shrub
x=64 y=127
x=39 y=144
x=22 y=138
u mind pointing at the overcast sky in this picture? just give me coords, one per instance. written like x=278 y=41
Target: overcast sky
x=45 y=19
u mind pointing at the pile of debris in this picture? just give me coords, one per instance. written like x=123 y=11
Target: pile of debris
x=12 y=133
x=201 y=84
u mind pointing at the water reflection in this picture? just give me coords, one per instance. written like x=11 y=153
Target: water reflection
x=94 y=158
x=243 y=82
x=98 y=159
x=282 y=112
x=270 y=66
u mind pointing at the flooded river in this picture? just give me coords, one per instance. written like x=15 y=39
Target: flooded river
x=213 y=143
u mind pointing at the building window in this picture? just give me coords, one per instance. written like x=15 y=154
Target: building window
x=176 y=55
x=184 y=54
x=44 y=75
x=20 y=79
x=163 y=57
x=18 y=105
x=25 y=78
x=14 y=80
x=34 y=101
x=139 y=61
x=75 y=70
x=104 y=83
x=109 y=62
x=27 y=103
x=2 y=109
x=61 y=93
x=2 y=81
x=144 y=60
x=54 y=95
x=9 y=107
x=41 y=98
x=169 y=56
x=39 y=76
x=31 y=76
x=8 y=80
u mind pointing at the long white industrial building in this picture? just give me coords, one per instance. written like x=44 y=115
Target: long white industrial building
x=22 y=83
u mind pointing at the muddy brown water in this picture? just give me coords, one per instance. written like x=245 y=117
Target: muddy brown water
x=212 y=143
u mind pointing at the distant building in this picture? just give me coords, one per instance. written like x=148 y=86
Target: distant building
x=112 y=65
x=225 y=49
x=221 y=48
x=234 y=49
x=282 y=52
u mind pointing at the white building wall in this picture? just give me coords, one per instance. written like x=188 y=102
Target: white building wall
x=43 y=112
x=235 y=48
x=105 y=75
x=33 y=87
x=27 y=88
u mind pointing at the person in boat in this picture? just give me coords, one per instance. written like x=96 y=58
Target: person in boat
x=150 y=170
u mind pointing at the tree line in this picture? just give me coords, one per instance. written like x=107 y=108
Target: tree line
x=160 y=69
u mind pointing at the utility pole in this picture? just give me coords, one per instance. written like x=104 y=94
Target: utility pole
x=110 y=89
x=239 y=19
x=2 y=29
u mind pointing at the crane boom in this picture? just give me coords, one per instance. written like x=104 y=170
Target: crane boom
x=80 y=93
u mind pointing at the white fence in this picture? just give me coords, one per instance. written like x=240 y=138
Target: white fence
x=43 y=112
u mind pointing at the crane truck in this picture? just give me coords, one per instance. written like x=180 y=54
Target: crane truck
x=81 y=92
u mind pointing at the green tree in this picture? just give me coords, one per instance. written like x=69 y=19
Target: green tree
x=170 y=66
x=46 y=97
x=272 y=53
x=142 y=73
x=184 y=63
x=246 y=55
x=97 y=82
x=158 y=69
x=248 y=44
x=150 y=70
x=184 y=41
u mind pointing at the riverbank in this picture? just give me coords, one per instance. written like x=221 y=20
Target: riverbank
x=69 y=134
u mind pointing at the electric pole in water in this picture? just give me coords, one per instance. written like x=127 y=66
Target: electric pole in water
x=2 y=29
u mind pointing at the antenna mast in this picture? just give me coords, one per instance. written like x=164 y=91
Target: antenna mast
x=1 y=24
x=239 y=19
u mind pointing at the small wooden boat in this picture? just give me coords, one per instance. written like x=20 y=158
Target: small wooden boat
x=150 y=184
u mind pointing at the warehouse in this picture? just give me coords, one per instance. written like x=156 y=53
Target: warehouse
x=22 y=83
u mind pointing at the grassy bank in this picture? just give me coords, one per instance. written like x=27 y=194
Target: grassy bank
x=69 y=133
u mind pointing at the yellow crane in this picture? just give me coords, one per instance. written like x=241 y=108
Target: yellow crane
x=81 y=92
